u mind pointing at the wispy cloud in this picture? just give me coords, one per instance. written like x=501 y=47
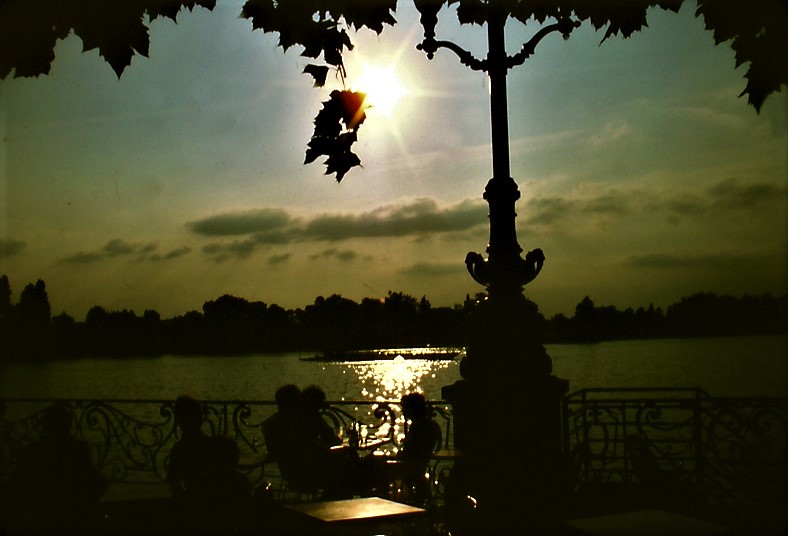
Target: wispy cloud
x=238 y=248
x=117 y=247
x=423 y=216
x=280 y=259
x=264 y=220
x=728 y=195
x=734 y=195
x=173 y=254
x=83 y=258
x=342 y=255
x=11 y=247
x=416 y=219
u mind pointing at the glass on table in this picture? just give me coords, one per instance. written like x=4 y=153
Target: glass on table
x=364 y=433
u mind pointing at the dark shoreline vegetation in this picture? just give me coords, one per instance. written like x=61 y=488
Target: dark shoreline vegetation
x=233 y=325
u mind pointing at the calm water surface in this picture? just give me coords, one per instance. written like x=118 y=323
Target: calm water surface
x=740 y=366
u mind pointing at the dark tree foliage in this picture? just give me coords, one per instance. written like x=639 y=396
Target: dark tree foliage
x=232 y=325
x=5 y=296
x=701 y=315
x=29 y=29
x=34 y=304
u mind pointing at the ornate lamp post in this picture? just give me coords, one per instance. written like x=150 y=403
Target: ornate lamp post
x=507 y=406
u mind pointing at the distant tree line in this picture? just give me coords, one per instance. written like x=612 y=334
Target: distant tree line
x=233 y=325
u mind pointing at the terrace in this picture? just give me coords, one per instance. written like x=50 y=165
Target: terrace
x=678 y=450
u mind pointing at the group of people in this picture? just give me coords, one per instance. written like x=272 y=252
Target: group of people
x=56 y=484
x=304 y=446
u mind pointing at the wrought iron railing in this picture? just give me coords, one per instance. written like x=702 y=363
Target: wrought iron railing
x=732 y=452
x=131 y=439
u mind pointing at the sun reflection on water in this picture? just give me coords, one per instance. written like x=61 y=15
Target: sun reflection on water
x=391 y=379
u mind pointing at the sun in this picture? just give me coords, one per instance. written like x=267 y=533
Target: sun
x=382 y=87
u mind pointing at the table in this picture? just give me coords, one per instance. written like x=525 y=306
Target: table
x=369 y=444
x=446 y=454
x=359 y=514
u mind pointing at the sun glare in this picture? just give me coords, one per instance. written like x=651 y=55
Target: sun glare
x=383 y=89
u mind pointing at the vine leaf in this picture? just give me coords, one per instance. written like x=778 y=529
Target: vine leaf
x=29 y=30
x=318 y=72
x=336 y=128
x=757 y=37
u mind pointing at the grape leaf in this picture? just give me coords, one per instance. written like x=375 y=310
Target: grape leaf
x=336 y=127
x=318 y=72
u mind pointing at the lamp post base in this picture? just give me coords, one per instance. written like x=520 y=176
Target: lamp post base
x=508 y=425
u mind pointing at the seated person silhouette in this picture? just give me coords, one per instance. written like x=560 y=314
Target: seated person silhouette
x=314 y=399
x=300 y=449
x=422 y=438
x=208 y=492
x=55 y=483
x=403 y=477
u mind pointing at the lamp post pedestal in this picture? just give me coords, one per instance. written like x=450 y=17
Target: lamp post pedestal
x=508 y=425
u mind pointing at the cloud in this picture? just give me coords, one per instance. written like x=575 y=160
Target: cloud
x=610 y=133
x=723 y=196
x=83 y=258
x=174 y=254
x=613 y=202
x=733 y=195
x=11 y=247
x=117 y=247
x=279 y=259
x=223 y=252
x=422 y=216
x=416 y=219
x=262 y=220
x=548 y=209
x=344 y=255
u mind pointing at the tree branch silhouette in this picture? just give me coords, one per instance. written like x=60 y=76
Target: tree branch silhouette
x=30 y=29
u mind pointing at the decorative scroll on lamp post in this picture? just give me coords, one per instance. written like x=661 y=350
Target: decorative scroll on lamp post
x=506 y=360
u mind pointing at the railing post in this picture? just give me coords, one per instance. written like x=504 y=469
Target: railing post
x=565 y=426
x=697 y=438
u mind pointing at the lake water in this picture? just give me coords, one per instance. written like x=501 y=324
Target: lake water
x=735 y=366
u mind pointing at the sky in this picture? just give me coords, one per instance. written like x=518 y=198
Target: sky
x=644 y=177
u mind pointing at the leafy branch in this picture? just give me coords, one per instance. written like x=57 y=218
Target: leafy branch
x=29 y=30
x=336 y=128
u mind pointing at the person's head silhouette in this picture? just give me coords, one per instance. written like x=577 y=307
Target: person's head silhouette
x=57 y=421
x=414 y=406
x=288 y=398
x=314 y=397
x=188 y=414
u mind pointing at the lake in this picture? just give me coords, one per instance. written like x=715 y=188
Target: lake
x=728 y=366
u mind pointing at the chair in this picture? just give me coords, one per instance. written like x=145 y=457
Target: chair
x=409 y=482
x=660 y=487
x=296 y=485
